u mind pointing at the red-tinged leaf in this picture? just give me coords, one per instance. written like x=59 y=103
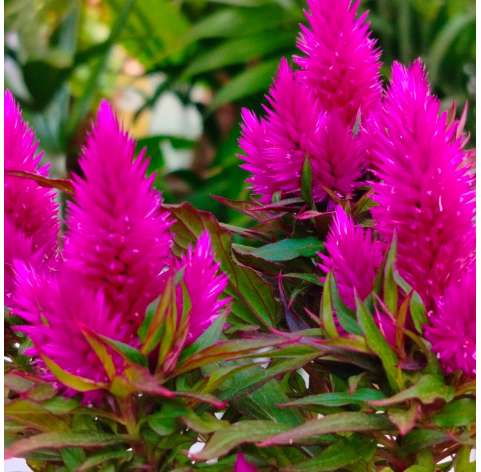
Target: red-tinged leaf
x=34 y=415
x=60 y=440
x=253 y=299
x=226 y=350
x=335 y=423
x=226 y=439
x=80 y=384
x=428 y=389
x=311 y=214
x=342 y=453
x=246 y=207
x=59 y=184
x=405 y=420
x=327 y=315
x=203 y=398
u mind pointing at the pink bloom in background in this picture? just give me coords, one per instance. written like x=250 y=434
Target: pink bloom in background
x=354 y=258
x=452 y=327
x=205 y=285
x=293 y=130
x=424 y=194
x=31 y=211
x=118 y=237
x=241 y=464
x=341 y=65
x=57 y=308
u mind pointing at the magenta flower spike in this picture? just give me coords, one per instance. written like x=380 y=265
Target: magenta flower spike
x=57 y=309
x=341 y=64
x=452 y=327
x=241 y=464
x=293 y=130
x=354 y=258
x=205 y=285
x=424 y=193
x=31 y=211
x=118 y=238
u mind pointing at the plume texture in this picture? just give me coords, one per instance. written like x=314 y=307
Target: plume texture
x=452 y=328
x=295 y=129
x=424 y=193
x=58 y=309
x=31 y=211
x=205 y=285
x=340 y=65
x=118 y=237
x=353 y=257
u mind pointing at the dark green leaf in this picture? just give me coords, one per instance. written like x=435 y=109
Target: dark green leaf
x=288 y=249
x=336 y=399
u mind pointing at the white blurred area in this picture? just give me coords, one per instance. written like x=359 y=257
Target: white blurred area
x=16 y=465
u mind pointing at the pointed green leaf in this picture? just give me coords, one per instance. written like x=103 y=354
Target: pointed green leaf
x=376 y=341
x=336 y=399
x=288 y=249
x=306 y=182
x=327 y=315
x=335 y=423
x=458 y=413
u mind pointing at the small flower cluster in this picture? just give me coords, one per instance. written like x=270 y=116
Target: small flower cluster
x=112 y=261
x=333 y=112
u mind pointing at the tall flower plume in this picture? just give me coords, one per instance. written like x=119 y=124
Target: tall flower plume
x=452 y=328
x=58 y=308
x=118 y=237
x=31 y=211
x=293 y=130
x=354 y=258
x=205 y=285
x=424 y=193
x=341 y=65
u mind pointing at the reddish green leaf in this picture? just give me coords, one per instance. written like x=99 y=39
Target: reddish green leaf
x=335 y=423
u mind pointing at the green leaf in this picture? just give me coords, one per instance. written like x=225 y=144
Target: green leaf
x=204 y=423
x=306 y=182
x=335 y=423
x=390 y=289
x=421 y=439
x=345 y=317
x=207 y=339
x=72 y=457
x=463 y=463
x=427 y=389
x=61 y=440
x=376 y=341
x=458 y=413
x=80 y=384
x=127 y=352
x=60 y=405
x=418 y=312
x=33 y=415
x=342 y=453
x=336 y=399
x=311 y=278
x=105 y=456
x=288 y=249
x=251 y=81
x=238 y=51
x=253 y=298
x=327 y=315
x=226 y=439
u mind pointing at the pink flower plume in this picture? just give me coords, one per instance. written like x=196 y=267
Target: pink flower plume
x=205 y=285
x=424 y=193
x=452 y=327
x=118 y=237
x=341 y=65
x=293 y=130
x=31 y=211
x=354 y=258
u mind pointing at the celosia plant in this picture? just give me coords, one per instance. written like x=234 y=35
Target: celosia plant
x=340 y=326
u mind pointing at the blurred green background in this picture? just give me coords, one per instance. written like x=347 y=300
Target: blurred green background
x=178 y=73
